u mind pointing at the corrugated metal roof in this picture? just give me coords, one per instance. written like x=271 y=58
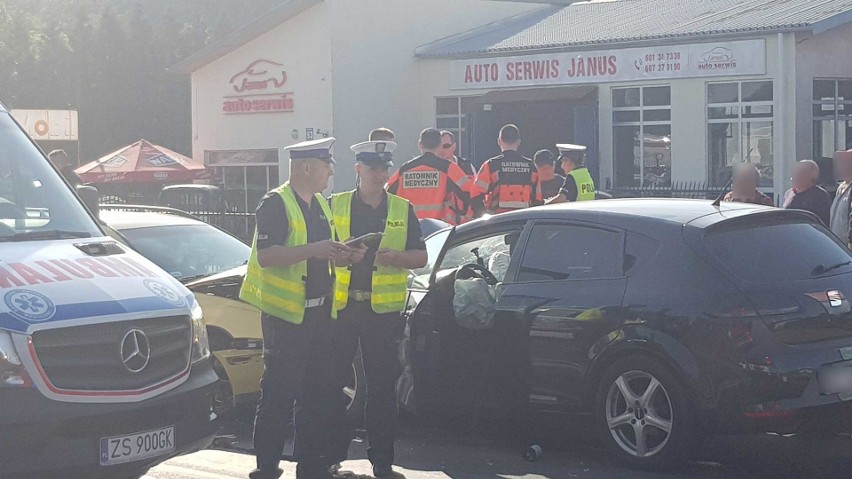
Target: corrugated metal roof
x=638 y=20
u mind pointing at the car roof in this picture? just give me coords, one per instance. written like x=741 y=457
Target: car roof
x=125 y=220
x=638 y=211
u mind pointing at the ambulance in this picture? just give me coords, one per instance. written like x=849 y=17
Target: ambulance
x=105 y=366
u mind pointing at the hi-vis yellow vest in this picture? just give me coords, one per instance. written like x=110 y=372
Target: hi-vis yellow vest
x=585 y=184
x=389 y=283
x=280 y=291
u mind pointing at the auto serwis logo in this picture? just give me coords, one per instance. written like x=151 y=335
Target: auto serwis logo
x=29 y=306
x=718 y=58
x=259 y=75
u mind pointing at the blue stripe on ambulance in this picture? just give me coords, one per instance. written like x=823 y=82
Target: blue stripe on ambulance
x=97 y=309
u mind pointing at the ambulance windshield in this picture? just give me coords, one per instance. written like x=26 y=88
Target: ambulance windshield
x=35 y=204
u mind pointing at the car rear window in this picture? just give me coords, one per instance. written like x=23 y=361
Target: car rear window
x=770 y=251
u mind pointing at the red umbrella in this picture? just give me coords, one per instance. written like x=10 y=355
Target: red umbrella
x=141 y=162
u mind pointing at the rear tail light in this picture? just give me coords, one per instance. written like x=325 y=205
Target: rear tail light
x=12 y=372
x=742 y=310
x=753 y=305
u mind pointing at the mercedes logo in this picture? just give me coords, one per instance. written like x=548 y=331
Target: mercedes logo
x=135 y=350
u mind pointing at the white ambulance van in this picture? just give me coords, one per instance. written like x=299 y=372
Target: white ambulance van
x=104 y=364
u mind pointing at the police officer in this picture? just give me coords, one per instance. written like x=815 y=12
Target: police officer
x=437 y=188
x=370 y=293
x=290 y=279
x=579 y=185
x=506 y=182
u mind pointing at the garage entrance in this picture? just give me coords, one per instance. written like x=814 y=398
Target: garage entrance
x=545 y=116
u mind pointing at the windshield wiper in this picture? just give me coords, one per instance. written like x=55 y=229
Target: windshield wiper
x=45 y=235
x=821 y=270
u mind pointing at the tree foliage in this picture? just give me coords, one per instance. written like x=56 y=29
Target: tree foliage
x=110 y=59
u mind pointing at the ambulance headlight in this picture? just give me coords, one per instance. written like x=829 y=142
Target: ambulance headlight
x=200 y=343
x=12 y=372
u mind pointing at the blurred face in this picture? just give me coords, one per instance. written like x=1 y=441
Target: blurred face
x=373 y=178
x=546 y=172
x=804 y=176
x=317 y=173
x=843 y=168
x=448 y=148
x=567 y=165
x=745 y=181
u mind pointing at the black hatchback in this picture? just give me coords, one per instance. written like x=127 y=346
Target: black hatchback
x=660 y=318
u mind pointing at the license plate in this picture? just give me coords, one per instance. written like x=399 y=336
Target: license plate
x=135 y=447
x=835 y=380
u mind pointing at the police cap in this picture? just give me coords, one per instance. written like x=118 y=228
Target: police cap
x=374 y=153
x=313 y=149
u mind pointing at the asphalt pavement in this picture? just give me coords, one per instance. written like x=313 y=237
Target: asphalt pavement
x=432 y=452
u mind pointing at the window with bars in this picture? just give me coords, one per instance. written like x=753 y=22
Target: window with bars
x=740 y=125
x=832 y=107
x=641 y=134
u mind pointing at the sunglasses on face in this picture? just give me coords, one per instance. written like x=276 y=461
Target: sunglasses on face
x=447 y=146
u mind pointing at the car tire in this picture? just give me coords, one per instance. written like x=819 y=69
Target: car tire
x=640 y=397
x=356 y=391
x=223 y=393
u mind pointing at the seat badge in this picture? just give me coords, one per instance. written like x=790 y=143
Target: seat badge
x=835 y=299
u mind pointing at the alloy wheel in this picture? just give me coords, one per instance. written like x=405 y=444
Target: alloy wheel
x=639 y=414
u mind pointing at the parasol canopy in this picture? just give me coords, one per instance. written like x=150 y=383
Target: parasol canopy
x=141 y=162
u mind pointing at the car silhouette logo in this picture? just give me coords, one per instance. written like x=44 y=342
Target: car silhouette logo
x=259 y=75
x=135 y=350
x=718 y=54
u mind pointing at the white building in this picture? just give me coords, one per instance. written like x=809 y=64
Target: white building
x=662 y=91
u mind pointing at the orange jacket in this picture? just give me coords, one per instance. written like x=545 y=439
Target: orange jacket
x=437 y=188
x=508 y=182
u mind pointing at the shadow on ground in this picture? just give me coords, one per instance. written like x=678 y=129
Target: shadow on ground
x=464 y=451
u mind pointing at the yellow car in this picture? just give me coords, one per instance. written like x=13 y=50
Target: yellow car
x=235 y=336
x=210 y=262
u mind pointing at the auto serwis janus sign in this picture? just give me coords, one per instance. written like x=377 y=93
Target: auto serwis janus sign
x=747 y=57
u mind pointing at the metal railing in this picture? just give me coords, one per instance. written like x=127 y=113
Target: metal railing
x=685 y=189
x=240 y=225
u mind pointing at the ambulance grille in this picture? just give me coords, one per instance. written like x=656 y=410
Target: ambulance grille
x=89 y=358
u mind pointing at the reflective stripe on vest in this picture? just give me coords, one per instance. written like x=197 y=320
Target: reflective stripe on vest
x=389 y=284
x=513 y=204
x=585 y=184
x=280 y=291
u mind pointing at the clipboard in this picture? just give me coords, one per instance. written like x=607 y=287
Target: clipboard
x=364 y=239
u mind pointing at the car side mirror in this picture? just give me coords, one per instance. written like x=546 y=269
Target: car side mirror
x=90 y=197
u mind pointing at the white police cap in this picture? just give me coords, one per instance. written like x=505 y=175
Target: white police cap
x=313 y=149
x=566 y=148
x=374 y=153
